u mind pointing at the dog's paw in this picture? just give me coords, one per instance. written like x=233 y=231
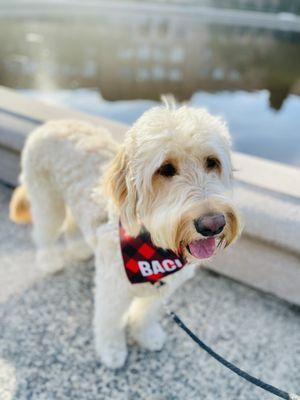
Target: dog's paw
x=78 y=250
x=113 y=354
x=49 y=261
x=151 y=337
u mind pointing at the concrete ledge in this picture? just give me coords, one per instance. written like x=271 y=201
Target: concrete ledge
x=20 y=115
x=269 y=217
x=263 y=266
x=268 y=193
x=23 y=114
x=267 y=174
x=9 y=166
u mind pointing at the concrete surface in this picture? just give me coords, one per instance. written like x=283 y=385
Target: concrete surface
x=46 y=344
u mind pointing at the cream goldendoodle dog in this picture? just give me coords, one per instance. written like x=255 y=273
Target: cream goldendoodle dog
x=168 y=183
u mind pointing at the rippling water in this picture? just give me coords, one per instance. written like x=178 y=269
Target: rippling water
x=117 y=65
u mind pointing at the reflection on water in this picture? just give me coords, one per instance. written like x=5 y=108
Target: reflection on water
x=249 y=75
x=255 y=127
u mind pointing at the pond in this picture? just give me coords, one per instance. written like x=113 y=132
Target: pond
x=117 y=64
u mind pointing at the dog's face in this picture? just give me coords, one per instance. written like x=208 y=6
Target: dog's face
x=173 y=177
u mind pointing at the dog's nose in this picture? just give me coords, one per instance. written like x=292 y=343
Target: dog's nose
x=210 y=225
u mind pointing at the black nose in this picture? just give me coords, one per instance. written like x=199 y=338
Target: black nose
x=210 y=225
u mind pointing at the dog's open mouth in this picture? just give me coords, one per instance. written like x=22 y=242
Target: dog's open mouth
x=202 y=248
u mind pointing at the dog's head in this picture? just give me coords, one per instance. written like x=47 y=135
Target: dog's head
x=173 y=176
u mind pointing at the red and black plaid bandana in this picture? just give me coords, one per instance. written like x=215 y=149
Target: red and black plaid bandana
x=145 y=262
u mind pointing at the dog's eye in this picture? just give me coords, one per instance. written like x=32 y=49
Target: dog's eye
x=212 y=163
x=167 y=170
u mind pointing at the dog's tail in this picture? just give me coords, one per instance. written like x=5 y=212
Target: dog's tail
x=19 y=207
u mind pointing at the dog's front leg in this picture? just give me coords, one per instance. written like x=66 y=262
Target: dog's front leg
x=112 y=301
x=144 y=322
x=110 y=339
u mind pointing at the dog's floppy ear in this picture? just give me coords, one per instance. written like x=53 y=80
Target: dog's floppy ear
x=119 y=186
x=115 y=178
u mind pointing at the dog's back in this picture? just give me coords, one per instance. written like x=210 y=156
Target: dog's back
x=61 y=164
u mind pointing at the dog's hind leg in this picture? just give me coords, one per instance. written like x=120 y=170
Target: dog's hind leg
x=76 y=246
x=48 y=214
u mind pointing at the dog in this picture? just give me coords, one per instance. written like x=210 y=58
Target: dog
x=171 y=179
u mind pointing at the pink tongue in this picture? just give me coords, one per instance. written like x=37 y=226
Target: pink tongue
x=203 y=248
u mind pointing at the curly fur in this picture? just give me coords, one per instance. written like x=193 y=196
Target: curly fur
x=78 y=179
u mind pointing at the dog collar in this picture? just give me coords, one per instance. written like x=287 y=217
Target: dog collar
x=144 y=262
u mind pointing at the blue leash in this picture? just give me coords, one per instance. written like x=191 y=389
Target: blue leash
x=265 y=386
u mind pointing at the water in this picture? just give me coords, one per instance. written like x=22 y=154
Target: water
x=118 y=64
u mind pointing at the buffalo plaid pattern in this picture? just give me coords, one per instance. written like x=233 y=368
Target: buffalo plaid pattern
x=141 y=251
